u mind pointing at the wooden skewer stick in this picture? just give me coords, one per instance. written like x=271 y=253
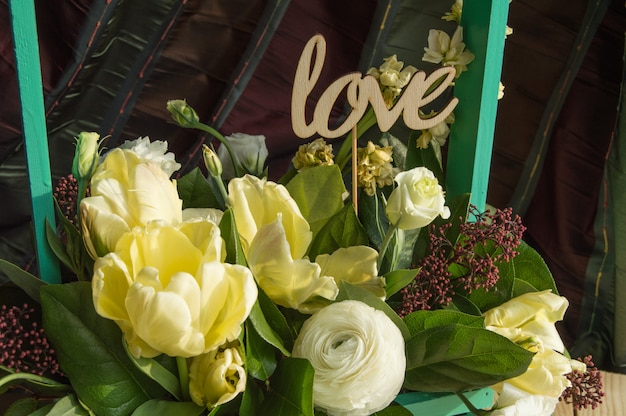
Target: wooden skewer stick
x=355 y=198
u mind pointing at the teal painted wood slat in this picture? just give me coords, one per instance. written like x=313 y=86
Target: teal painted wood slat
x=471 y=136
x=34 y=129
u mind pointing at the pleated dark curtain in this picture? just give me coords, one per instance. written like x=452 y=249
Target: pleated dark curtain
x=110 y=66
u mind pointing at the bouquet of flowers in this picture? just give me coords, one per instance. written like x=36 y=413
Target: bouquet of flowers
x=226 y=293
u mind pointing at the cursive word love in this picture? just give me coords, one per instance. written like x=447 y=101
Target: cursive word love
x=362 y=91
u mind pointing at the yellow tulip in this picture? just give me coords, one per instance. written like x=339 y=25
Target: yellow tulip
x=126 y=191
x=257 y=202
x=169 y=292
x=528 y=320
x=216 y=377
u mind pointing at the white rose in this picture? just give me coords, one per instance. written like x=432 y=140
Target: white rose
x=515 y=402
x=251 y=153
x=358 y=356
x=417 y=200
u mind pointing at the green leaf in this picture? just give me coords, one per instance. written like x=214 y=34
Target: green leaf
x=530 y=267
x=166 y=407
x=22 y=407
x=349 y=291
x=292 y=389
x=520 y=287
x=67 y=406
x=463 y=304
x=416 y=156
x=398 y=279
x=422 y=320
x=251 y=399
x=454 y=357
x=373 y=217
x=228 y=230
x=264 y=329
x=276 y=319
x=157 y=372
x=38 y=384
x=27 y=282
x=260 y=355
x=90 y=351
x=319 y=194
x=342 y=230
x=196 y=191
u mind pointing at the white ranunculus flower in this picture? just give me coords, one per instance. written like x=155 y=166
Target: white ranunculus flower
x=515 y=402
x=251 y=152
x=358 y=356
x=417 y=200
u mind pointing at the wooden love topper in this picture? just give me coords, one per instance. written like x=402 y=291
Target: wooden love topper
x=360 y=92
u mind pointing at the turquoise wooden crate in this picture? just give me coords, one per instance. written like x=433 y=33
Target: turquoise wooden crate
x=445 y=404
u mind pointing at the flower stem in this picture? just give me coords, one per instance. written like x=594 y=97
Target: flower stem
x=470 y=406
x=222 y=139
x=183 y=376
x=385 y=244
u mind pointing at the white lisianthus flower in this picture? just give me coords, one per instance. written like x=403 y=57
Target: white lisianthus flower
x=217 y=377
x=512 y=401
x=250 y=150
x=417 y=200
x=358 y=356
x=154 y=151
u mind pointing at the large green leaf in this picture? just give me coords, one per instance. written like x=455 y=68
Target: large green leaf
x=342 y=230
x=90 y=351
x=291 y=389
x=394 y=409
x=422 y=320
x=159 y=373
x=265 y=330
x=167 y=407
x=260 y=355
x=455 y=357
x=319 y=194
x=196 y=191
x=373 y=217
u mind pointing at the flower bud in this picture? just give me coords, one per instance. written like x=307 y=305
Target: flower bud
x=86 y=155
x=211 y=161
x=182 y=113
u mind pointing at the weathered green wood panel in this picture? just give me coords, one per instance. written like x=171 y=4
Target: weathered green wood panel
x=34 y=129
x=471 y=137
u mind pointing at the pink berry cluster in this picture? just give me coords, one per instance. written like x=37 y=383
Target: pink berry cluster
x=23 y=344
x=66 y=195
x=586 y=389
x=492 y=238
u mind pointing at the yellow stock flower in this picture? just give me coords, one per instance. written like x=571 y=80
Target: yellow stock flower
x=168 y=290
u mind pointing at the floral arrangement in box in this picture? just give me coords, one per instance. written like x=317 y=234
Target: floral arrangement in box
x=226 y=293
